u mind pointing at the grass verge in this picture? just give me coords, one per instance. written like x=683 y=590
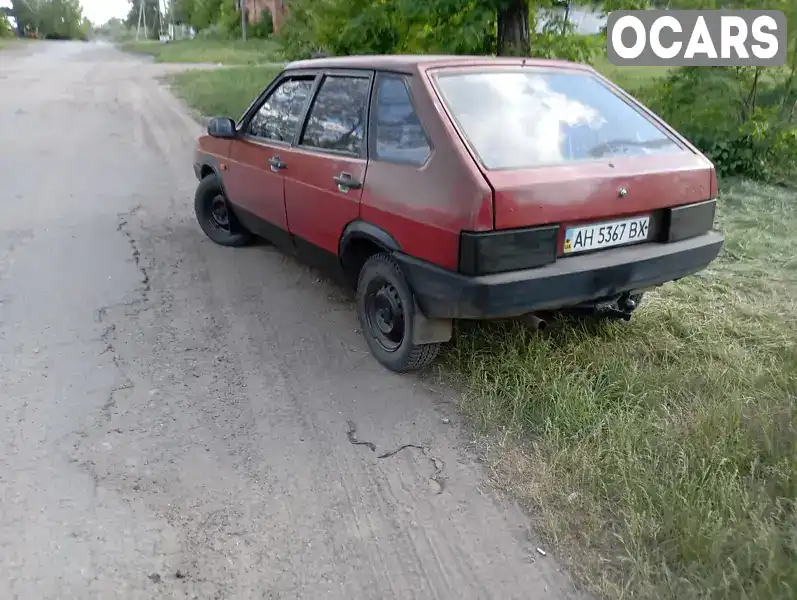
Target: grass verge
x=658 y=458
x=222 y=91
x=232 y=52
x=628 y=78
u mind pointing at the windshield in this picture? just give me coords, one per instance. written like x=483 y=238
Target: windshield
x=532 y=117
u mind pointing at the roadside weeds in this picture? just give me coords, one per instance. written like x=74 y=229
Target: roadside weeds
x=660 y=457
x=226 y=52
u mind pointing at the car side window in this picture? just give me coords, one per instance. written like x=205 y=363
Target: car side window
x=399 y=134
x=337 y=118
x=278 y=118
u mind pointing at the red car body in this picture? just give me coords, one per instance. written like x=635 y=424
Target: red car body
x=476 y=227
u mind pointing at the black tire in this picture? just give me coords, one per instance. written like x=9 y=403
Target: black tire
x=382 y=284
x=215 y=217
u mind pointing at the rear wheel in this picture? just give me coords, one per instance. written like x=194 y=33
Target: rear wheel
x=386 y=310
x=215 y=217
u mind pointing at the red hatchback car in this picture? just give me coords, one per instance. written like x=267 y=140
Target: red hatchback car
x=446 y=187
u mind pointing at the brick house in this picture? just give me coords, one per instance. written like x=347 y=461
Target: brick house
x=255 y=8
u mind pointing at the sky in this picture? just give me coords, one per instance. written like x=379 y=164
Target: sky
x=99 y=11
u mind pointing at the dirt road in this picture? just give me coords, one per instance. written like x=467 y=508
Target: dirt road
x=175 y=417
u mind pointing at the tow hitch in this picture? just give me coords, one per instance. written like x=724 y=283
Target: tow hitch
x=617 y=307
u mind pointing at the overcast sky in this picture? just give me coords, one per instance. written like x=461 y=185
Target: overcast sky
x=99 y=11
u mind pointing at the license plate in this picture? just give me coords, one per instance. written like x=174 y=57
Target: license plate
x=606 y=235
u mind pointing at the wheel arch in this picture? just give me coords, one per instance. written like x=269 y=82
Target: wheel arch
x=206 y=169
x=359 y=241
x=209 y=165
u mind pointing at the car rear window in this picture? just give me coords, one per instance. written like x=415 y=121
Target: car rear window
x=517 y=119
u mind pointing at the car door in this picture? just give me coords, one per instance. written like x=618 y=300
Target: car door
x=255 y=182
x=326 y=170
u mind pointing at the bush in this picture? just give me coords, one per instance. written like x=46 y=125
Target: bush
x=734 y=116
x=264 y=28
x=215 y=31
x=230 y=18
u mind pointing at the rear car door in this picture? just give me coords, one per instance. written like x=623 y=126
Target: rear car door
x=255 y=181
x=326 y=170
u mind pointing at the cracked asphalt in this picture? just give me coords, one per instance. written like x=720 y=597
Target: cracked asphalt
x=176 y=417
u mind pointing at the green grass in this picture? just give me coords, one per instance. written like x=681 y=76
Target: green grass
x=660 y=457
x=629 y=78
x=657 y=457
x=222 y=91
x=227 y=52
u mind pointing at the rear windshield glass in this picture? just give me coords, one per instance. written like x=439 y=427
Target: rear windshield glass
x=518 y=119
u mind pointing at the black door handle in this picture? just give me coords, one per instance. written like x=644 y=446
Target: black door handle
x=345 y=180
x=276 y=163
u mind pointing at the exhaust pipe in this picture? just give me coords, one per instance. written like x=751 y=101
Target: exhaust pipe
x=534 y=322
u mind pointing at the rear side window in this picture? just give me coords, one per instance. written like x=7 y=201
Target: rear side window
x=399 y=134
x=278 y=118
x=533 y=117
x=337 y=117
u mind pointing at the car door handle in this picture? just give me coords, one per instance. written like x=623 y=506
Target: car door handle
x=276 y=163
x=346 y=182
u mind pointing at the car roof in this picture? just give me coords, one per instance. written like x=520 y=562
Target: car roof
x=420 y=62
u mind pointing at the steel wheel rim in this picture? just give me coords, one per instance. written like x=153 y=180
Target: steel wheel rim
x=218 y=217
x=384 y=313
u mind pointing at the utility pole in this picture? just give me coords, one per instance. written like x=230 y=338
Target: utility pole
x=242 y=6
x=161 y=14
x=141 y=19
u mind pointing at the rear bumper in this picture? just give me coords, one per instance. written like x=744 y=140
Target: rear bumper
x=567 y=282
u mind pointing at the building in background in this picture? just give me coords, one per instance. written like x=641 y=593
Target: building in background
x=255 y=10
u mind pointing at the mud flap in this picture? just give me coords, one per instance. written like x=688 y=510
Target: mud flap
x=430 y=331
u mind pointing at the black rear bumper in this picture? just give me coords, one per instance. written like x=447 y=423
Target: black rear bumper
x=567 y=282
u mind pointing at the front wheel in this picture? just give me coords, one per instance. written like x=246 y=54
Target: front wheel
x=385 y=308
x=215 y=217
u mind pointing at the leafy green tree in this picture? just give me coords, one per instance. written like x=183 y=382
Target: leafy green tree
x=230 y=17
x=504 y=27
x=55 y=19
x=204 y=13
x=27 y=15
x=6 y=30
x=180 y=11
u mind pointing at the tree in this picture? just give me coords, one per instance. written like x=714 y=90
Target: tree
x=205 y=13
x=53 y=19
x=6 y=30
x=513 y=28
x=27 y=15
x=179 y=11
